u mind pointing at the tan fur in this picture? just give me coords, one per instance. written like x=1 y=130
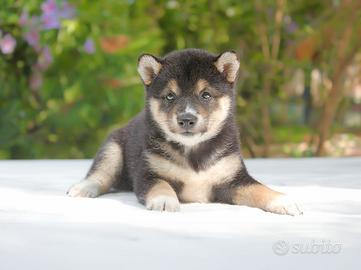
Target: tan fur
x=261 y=196
x=228 y=63
x=218 y=116
x=148 y=66
x=162 y=197
x=200 y=85
x=173 y=86
x=254 y=195
x=110 y=165
x=162 y=188
x=103 y=177
x=197 y=186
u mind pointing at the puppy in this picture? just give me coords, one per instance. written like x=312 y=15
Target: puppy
x=184 y=146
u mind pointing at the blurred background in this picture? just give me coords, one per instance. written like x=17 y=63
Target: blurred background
x=68 y=71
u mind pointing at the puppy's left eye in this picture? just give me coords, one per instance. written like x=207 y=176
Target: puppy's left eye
x=170 y=97
x=206 y=95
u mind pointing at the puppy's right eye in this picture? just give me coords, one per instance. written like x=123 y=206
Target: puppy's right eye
x=170 y=97
x=206 y=95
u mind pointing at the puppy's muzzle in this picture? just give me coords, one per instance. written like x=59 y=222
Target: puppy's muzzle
x=187 y=121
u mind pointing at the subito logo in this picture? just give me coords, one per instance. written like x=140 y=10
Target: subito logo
x=281 y=248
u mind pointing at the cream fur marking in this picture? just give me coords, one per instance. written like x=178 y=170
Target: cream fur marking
x=215 y=122
x=283 y=205
x=148 y=66
x=103 y=176
x=190 y=110
x=228 y=63
x=162 y=197
x=197 y=186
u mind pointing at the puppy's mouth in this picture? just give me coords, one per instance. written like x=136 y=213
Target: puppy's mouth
x=188 y=133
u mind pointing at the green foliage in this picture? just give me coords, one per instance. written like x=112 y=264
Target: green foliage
x=87 y=91
x=83 y=95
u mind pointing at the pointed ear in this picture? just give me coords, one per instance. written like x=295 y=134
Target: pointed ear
x=148 y=68
x=228 y=64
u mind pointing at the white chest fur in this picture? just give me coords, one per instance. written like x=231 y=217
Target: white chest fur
x=197 y=185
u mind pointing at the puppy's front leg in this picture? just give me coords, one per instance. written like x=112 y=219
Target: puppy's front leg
x=159 y=195
x=247 y=191
x=260 y=196
x=103 y=173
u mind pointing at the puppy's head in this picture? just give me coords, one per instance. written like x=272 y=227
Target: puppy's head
x=189 y=92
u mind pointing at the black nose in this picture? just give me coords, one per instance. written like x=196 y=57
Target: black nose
x=186 y=120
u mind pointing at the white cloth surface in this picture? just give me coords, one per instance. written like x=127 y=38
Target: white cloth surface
x=42 y=228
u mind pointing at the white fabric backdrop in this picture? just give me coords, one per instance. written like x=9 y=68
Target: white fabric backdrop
x=42 y=228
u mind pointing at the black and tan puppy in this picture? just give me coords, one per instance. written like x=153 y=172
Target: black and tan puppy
x=184 y=146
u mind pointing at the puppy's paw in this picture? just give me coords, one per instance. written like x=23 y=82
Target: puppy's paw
x=163 y=203
x=85 y=188
x=283 y=205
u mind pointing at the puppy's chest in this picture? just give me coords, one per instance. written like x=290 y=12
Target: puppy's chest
x=196 y=185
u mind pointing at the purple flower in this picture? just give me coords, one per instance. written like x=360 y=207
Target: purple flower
x=31 y=30
x=50 y=21
x=49 y=7
x=291 y=27
x=50 y=17
x=33 y=38
x=45 y=59
x=89 y=46
x=7 y=44
x=36 y=80
x=24 y=18
x=53 y=13
x=66 y=11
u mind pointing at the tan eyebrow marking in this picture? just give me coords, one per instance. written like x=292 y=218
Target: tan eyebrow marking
x=200 y=85
x=172 y=85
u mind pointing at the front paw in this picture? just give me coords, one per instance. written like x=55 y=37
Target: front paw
x=86 y=188
x=283 y=205
x=163 y=203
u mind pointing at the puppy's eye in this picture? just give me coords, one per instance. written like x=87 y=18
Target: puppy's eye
x=206 y=95
x=170 y=97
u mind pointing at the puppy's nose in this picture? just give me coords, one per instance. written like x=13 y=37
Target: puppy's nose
x=186 y=120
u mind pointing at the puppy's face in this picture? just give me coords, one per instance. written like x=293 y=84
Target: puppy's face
x=189 y=93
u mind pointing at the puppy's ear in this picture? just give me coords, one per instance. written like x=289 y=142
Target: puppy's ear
x=228 y=64
x=148 y=67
